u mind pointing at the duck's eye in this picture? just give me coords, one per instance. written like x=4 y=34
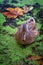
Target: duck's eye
x=31 y=20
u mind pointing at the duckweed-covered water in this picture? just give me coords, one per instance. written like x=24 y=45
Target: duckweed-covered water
x=11 y=53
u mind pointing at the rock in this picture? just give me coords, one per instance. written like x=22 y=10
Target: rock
x=27 y=32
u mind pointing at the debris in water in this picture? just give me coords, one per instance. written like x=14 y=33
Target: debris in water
x=13 y=12
x=27 y=9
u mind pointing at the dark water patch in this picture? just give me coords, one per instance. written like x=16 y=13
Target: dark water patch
x=41 y=40
x=8 y=5
x=14 y=1
x=13 y=25
x=33 y=49
x=11 y=22
x=5 y=1
x=37 y=45
x=21 y=18
x=36 y=51
x=41 y=22
x=5 y=23
x=40 y=14
x=41 y=59
x=3 y=6
x=40 y=52
x=21 y=7
x=36 y=5
x=27 y=14
x=23 y=46
x=4 y=32
x=12 y=35
x=30 y=13
x=2 y=52
x=38 y=20
x=41 y=32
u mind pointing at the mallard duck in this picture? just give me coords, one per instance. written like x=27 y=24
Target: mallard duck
x=27 y=32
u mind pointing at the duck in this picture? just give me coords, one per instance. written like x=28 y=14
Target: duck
x=26 y=32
